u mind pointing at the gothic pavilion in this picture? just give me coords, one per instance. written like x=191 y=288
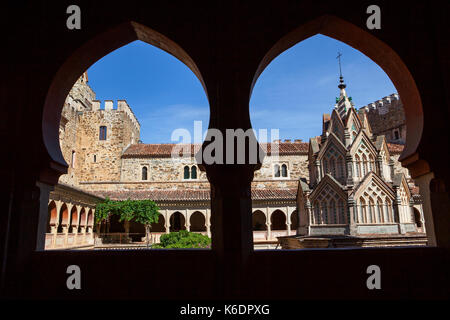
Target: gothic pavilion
x=353 y=188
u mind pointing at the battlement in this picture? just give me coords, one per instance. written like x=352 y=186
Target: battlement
x=121 y=105
x=381 y=105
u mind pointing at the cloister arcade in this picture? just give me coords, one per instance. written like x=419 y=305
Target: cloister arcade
x=66 y=230
x=170 y=220
x=272 y=222
x=268 y=223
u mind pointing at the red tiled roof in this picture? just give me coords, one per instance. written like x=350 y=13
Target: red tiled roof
x=287 y=148
x=195 y=195
x=272 y=194
x=165 y=150
x=395 y=148
x=157 y=150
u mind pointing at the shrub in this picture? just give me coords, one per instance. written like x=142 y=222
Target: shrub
x=183 y=239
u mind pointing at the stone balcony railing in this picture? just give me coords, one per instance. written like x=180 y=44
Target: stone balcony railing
x=80 y=240
x=68 y=240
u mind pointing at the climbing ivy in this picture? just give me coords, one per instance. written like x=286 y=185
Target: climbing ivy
x=145 y=212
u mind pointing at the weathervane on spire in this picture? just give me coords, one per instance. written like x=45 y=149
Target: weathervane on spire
x=341 y=79
x=339 y=59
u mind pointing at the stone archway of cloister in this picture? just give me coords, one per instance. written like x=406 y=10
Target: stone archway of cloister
x=197 y=222
x=177 y=222
x=278 y=220
x=259 y=221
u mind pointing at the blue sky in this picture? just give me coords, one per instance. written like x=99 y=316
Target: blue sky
x=291 y=94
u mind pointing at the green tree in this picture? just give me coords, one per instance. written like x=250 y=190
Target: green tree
x=145 y=212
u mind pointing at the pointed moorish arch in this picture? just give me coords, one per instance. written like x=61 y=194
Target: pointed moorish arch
x=372 y=47
x=177 y=221
x=82 y=58
x=278 y=220
x=197 y=221
x=52 y=215
x=63 y=217
x=160 y=226
x=259 y=221
x=73 y=219
x=82 y=218
x=294 y=220
x=90 y=218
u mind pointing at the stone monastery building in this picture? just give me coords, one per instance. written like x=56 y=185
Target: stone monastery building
x=345 y=182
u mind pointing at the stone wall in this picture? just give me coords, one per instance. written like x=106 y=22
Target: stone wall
x=165 y=173
x=386 y=116
x=166 y=169
x=100 y=160
x=159 y=169
x=77 y=102
x=141 y=186
x=88 y=157
x=297 y=166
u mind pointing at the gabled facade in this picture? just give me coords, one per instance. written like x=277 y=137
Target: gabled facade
x=353 y=188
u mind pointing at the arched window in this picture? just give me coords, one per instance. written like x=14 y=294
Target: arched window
x=333 y=167
x=276 y=169
x=333 y=218
x=341 y=168
x=284 y=170
x=380 y=210
x=371 y=211
x=102 y=133
x=341 y=209
x=186 y=172
x=325 y=167
x=193 y=172
x=364 y=165
x=358 y=166
x=396 y=134
x=362 y=211
x=144 y=173
x=389 y=210
x=371 y=163
x=316 y=212
x=73 y=159
x=324 y=212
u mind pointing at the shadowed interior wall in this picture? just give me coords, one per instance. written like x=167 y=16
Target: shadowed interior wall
x=227 y=44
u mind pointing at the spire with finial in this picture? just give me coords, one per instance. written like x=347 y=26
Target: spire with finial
x=341 y=78
x=343 y=103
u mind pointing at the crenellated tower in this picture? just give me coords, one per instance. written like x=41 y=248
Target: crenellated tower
x=93 y=137
x=104 y=135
